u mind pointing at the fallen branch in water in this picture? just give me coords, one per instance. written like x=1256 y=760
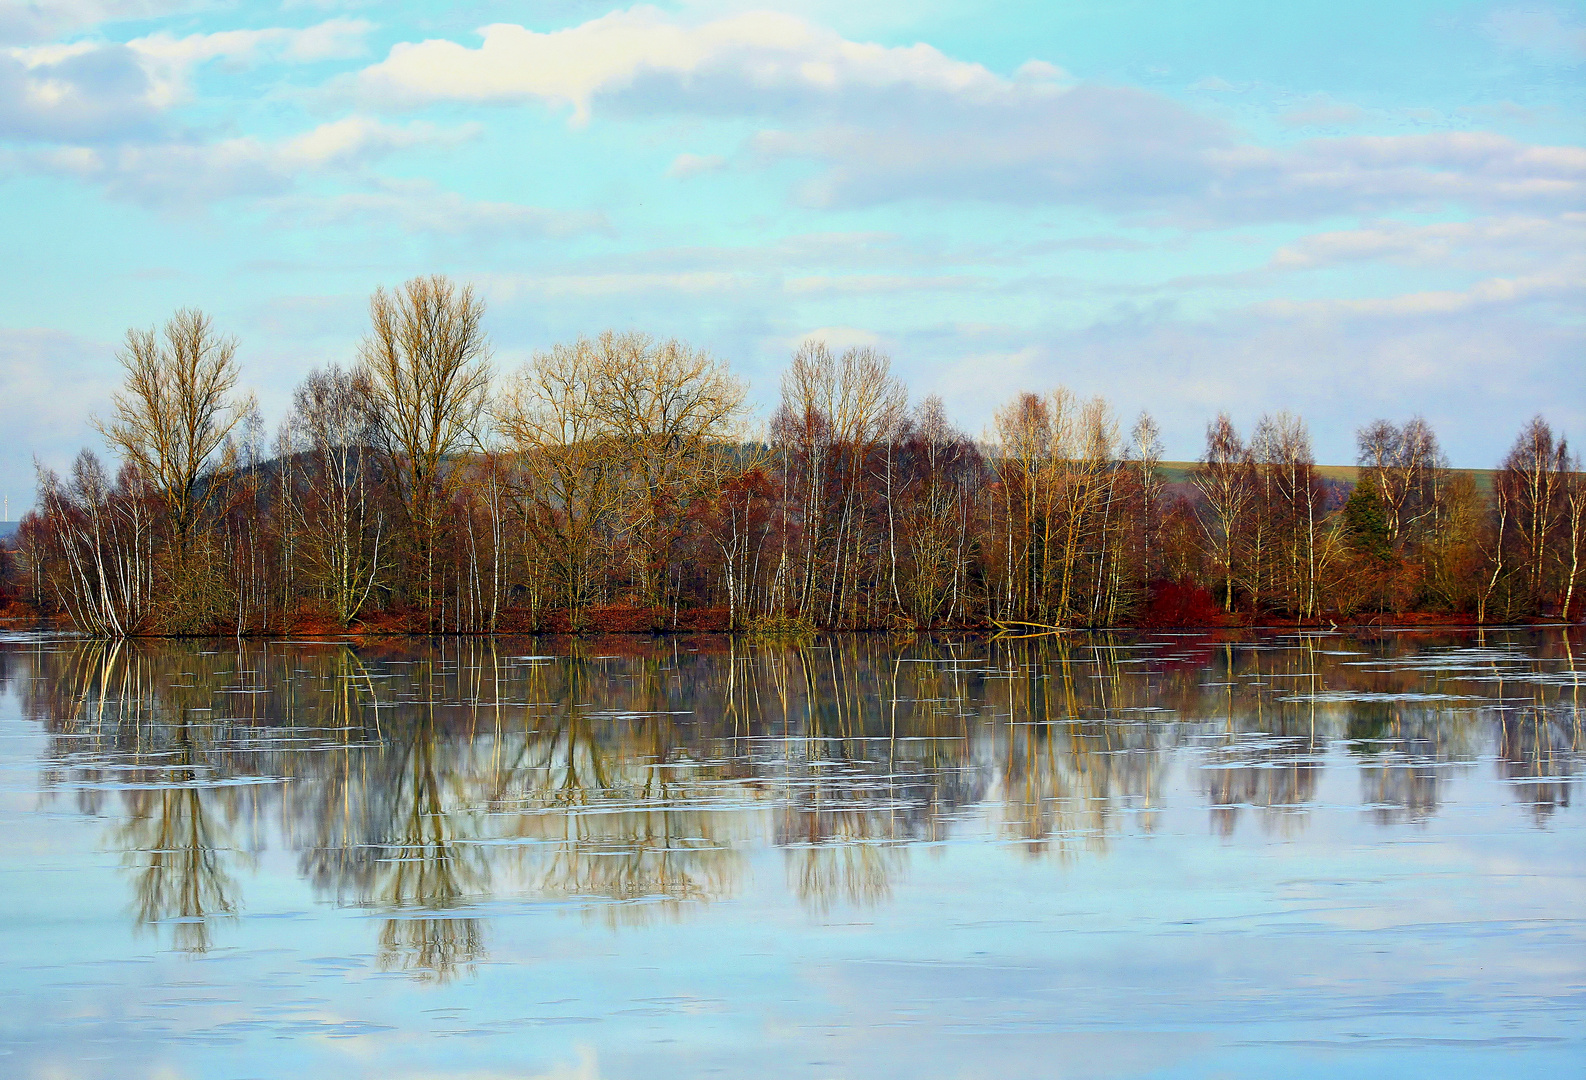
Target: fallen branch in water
x=1021 y=628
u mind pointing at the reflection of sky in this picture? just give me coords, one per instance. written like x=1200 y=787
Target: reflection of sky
x=1323 y=941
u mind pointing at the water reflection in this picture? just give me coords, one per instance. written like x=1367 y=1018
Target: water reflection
x=175 y=854
x=635 y=778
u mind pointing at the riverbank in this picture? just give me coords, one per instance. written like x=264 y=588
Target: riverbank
x=16 y=619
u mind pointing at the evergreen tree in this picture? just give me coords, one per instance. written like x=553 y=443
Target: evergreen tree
x=1366 y=522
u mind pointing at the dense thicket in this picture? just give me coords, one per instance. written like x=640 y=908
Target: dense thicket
x=611 y=484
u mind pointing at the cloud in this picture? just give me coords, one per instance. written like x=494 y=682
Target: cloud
x=42 y=20
x=108 y=91
x=686 y=165
x=421 y=207
x=885 y=123
x=178 y=174
x=79 y=92
x=515 y=287
x=1113 y=146
x=836 y=338
x=1543 y=33
x=641 y=59
x=1483 y=243
x=1339 y=372
x=870 y=284
x=170 y=59
x=50 y=382
x=1131 y=152
x=1564 y=286
x=1323 y=112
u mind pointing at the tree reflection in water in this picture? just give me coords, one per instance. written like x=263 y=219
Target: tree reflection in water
x=176 y=858
x=634 y=776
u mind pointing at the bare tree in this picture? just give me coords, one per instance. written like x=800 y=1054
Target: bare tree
x=1574 y=553
x=1407 y=466
x=96 y=547
x=835 y=414
x=427 y=363
x=670 y=409
x=328 y=438
x=569 y=490
x=1531 y=489
x=931 y=472
x=1224 y=482
x=1147 y=450
x=172 y=417
x=1292 y=508
x=1027 y=429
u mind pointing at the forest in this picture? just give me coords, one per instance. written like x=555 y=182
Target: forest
x=618 y=484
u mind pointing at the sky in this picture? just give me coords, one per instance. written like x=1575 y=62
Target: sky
x=1347 y=210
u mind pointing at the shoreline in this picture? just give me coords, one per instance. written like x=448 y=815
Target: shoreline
x=366 y=636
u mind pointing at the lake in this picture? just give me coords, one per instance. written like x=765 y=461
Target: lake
x=1296 y=855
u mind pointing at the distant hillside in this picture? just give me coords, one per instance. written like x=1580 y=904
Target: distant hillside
x=1179 y=472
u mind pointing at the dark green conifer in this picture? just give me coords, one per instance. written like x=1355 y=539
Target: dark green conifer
x=1367 y=522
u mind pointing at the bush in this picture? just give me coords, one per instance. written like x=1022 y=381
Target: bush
x=1180 y=603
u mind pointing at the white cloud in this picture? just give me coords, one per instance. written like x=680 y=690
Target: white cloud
x=1133 y=152
x=769 y=57
x=869 y=284
x=836 y=338
x=515 y=287
x=686 y=165
x=1566 y=286
x=354 y=139
x=1481 y=244
x=49 y=384
x=170 y=60
x=888 y=123
x=84 y=91
x=420 y=207
x=1109 y=146
x=1545 y=33
x=178 y=174
x=1321 y=111
x=41 y=20
x=97 y=90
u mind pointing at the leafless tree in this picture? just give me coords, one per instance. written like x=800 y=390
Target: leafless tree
x=1224 y=481
x=836 y=412
x=670 y=410
x=556 y=424
x=426 y=361
x=1146 y=438
x=1408 y=467
x=172 y=417
x=328 y=441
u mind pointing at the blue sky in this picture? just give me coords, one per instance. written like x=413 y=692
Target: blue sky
x=1349 y=210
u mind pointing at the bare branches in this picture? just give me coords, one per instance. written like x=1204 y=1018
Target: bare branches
x=1407 y=466
x=553 y=420
x=427 y=365
x=175 y=412
x=329 y=489
x=611 y=484
x=1225 y=480
x=835 y=414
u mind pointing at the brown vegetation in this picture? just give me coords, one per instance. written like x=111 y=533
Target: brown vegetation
x=610 y=486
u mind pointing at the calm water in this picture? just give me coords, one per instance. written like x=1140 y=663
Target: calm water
x=1305 y=855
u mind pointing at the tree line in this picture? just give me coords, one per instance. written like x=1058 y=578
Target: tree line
x=613 y=483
